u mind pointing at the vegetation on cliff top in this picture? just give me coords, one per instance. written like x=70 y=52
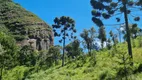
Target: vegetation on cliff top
x=20 y=22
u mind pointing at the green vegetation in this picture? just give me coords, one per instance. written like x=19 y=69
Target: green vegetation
x=20 y=22
x=88 y=38
x=106 y=9
x=108 y=66
x=110 y=62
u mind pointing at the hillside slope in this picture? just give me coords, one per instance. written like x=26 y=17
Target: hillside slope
x=106 y=68
x=102 y=65
x=25 y=26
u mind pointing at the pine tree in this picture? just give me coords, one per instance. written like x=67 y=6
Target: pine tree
x=64 y=27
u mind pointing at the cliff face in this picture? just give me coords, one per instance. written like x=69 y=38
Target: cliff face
x=26 y=27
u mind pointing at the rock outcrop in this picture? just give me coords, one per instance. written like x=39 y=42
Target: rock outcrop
x=26 y=27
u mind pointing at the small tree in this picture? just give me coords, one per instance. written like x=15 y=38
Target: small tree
x=66 y=27
x=74 y=49
x=109 y=45
x=114 y=38
x=134 y=30
x=54 y=53
x=102 y=35
x=93 y=35
x=86 y=42
x=27 y=56
x=122 y=58
x=89 y=38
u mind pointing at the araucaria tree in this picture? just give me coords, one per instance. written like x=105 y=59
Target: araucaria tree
x=64 y=27
x=89 y=38
x=106 y=9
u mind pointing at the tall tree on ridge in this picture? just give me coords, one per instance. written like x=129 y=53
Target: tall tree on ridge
x=66 y=27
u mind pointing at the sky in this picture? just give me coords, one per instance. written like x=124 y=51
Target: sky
x=79 y=10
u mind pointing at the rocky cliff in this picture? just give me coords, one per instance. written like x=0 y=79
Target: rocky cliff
x=26 y=27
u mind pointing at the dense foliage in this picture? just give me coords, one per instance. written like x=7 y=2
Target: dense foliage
x=110 y=65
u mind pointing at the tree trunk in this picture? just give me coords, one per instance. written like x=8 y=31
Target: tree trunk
x=120 y=36
x=102 y=44
x=135 y=35
x=127 y=30
x=55 y=62
x=90 y=51
x=63 y=49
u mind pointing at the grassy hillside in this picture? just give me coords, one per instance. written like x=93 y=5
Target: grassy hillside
x=105 y=69
x=108 y=66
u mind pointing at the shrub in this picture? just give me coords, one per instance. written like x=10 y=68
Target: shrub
x=17 y=73
x=88 y=70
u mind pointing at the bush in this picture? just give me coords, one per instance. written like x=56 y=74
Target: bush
x=140 y=68
x=88 y=70
x=17 y=73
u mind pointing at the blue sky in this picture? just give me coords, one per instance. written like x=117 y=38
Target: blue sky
x=79 y=10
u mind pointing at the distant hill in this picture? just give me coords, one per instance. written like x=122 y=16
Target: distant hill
x=26 y=27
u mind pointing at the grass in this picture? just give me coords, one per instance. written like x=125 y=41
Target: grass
x=105 y=68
